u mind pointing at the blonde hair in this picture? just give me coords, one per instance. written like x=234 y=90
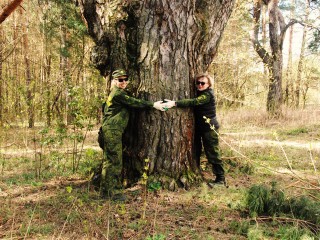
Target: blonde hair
x=113 y=83
x=207 y=76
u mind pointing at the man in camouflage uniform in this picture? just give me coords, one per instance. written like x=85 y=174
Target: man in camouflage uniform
x=115 y=120
x=205 y=118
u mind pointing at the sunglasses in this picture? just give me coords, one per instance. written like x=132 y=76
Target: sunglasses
x=201 y=83
x=122 y=79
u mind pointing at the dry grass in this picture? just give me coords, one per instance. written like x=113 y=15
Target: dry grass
x=250 y=118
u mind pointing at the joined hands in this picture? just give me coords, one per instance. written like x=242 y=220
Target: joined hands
x=164 y=105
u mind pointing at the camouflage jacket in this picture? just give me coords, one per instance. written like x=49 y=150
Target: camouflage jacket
x=116 y=112
x=204 y=106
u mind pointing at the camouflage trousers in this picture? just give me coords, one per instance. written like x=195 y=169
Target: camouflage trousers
x=111 y=173
x=210 y=142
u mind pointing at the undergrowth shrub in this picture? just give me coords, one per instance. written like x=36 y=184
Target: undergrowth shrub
x=266 y=200
x=304 y=208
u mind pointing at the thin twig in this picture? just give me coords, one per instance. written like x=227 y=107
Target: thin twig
x=14 y=214
x=65 y=222
x=29 y=224
x=301 y=222
x=313 y=163
x=155 y=217
x=108 y=223
x=285 y=154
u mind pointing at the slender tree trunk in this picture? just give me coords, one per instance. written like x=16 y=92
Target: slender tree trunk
x=46 y=72
x=302 y=57
x=48 y=89
x=29 y=81
x=264 y=33
x=15 y=73
x=274 y=101
x=46 y=69
x=64 y=100
x=289 y=95
x=162 y=45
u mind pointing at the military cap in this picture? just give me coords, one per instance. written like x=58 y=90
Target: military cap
x=118 y=73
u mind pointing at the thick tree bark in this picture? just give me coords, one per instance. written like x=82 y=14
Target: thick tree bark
x=162 y=44
x=7 y=10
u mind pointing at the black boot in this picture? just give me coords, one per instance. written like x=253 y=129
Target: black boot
x=220 y=180
x=218 y=170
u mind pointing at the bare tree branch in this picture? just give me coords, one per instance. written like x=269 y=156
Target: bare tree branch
x=6 y=11
x=264 y=55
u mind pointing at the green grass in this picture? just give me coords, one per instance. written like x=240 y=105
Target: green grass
x=295 y=131
x=293 y=233
x=43 y=229
x=239 y=227
x=156 y=237
x=23 y=179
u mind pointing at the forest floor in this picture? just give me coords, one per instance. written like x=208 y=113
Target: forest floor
x=61 y=205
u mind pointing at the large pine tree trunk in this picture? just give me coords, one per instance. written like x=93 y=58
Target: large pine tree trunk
x=162 y=44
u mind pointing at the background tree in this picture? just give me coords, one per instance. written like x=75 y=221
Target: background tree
x=238 y=73
x=302 y=55
x=289 y=96
x=272 y=60
x=163 y=45
x=48 y=86
x=30 y=84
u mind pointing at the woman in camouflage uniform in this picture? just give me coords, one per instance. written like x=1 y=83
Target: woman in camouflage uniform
x=205 y=112
x=115 y=120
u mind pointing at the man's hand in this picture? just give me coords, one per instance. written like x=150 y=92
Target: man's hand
x=159 y=105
